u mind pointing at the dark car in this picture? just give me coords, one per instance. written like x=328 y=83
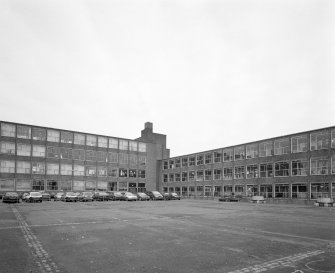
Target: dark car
x=115 y=195
x=171 y=196
x=46 y=196
x=230 y=198
x=69 y=197
x=34 y=196
x=142 y=196
x=11 y=197
x=86 y=197
x=101 y=196
x=155 y=195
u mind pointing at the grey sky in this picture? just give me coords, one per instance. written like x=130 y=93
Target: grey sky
x=208 y=73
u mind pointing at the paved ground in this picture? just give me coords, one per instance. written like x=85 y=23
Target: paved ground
x=187 y=236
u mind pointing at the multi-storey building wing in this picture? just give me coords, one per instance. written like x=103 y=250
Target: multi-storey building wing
x=297 y=166
x=48 y=159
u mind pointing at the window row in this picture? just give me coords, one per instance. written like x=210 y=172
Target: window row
x=318 y=141
x=316 y=166
x=26 y=132
x=67 y=153
x=26 y=167
x=68 y=185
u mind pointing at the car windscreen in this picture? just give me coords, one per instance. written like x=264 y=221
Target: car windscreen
x=35 y=194
x=11 y=194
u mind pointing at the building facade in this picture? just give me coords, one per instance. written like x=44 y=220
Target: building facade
x=34 y=158
x=297 y=166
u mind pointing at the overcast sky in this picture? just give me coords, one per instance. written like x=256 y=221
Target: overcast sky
x=208 y=74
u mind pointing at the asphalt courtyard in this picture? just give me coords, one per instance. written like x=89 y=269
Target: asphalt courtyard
x=186 y=236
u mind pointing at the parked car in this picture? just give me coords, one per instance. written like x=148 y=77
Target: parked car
x=171 y=196
x=101 y=196
x=69 y=197
x=58 y=196
x=24 y=196
x=142 y=196
x=155 y=195
x=1 y=194
x=128 y=196
x=86 y=197
x=230 y=198
x=34 y=196
x=46 y=196
x=115 y=195
x=11 y=197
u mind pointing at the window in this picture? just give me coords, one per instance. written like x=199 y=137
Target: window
x=91 y=140
x=133 y=146
x=239 y=172
x=102 y=171
x=78 y=154
x=7 y=130
x=102 y=142
x=265 y=149
x=319 y=166
x=252 y=151
x=91 y=170
x=217 y=157
x=90 y=185
x=78 y=170
x=123 y=159
x=132 y=159
x=177 y=163
x=191 y=161
x=282 y=191
x=52 y=185
x=23 y=149
x=113 y=143
x=78 y=185
x=112 y=172
x=184 y=176
x=200 y=175
x=252 y=171
x=66 y=137
x=141 y=173
x=282 y=146
x=217 y=174
x=91 y=155
x=171 y=177
x=23 y=185
x=177 y=177
x=132 y=173
x=123 y=172
x=171 y=164
x=7 y=185
x=38 y=151
x=65 y=185
x=299 y=144
x=266 y=170
x=142 y=147
x=282 y=168
x=208 y=158
x=101 y=156
x=113 y=158
x=39 y=134
x=53 y=136
x=299 y=191
x=23 y=132
x=65 y=153
x=79 y=139
x=319 y=190
x=228 y=173
x=200 y=159
x=184 y=162
x=165 y=178
x=319 y=141
x=266 y=191
x=123 y=144
x=53 y=152
x=66 y=169
x=191 y=175
x=165 y=165
x=23 y=167
x=208 y=174
x=7 y=148
x=299 y=167
x=38 y=168
x=333 y=165
x=333 y=138
x=239 y=153
x=52 y=168
x=38 y=185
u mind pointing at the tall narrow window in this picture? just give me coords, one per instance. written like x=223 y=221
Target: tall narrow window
x=239 y=153
x=217 y=156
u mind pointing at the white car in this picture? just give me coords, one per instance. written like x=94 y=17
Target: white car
x=34 y=196
x=128 y=196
